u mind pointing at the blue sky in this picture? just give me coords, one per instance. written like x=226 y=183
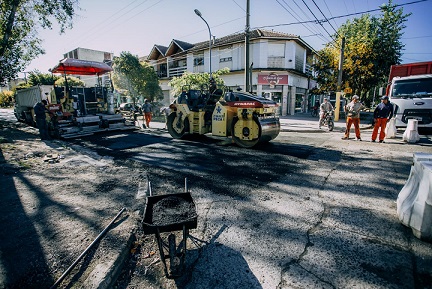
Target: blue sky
x=136 y=25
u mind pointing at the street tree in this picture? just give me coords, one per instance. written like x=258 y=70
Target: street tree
x=372 y=46
x=138 y=79
x=389 y=31
x=196 y=80
x=71 y=81
x=36 y=77
x=20 y=21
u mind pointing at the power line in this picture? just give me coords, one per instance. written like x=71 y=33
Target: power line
x=151 y=6
x=319 y=22
x=147 y=8
x=325 y=2
x=426 y=36
x=374 y=10
x=307 y=17
x=239 y=5
x=418 y=53
x=91 y=31
x=298 y=21
x=325 y=17
x=335 y=17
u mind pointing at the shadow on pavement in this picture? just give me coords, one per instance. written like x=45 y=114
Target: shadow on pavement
x=23 y=263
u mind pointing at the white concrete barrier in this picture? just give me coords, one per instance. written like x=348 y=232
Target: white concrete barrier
x=411 y=134
x=390 y=130
x=414 y=202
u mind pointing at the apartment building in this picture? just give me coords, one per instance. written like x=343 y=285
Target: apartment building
x=280 y=64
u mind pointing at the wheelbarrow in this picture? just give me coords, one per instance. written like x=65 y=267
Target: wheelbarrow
x=170 y=213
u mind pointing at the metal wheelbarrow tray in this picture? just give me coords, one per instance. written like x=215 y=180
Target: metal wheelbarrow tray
x=162 y=213
x=167 y=213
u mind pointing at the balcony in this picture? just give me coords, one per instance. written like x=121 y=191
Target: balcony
x=162 y=73
x=309 y=70
x=177 y=71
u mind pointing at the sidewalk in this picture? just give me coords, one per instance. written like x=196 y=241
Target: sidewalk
x=304 y=122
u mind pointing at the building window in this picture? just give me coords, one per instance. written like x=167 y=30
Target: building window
x=225 y=59
x=198 y=61
x=107 y=56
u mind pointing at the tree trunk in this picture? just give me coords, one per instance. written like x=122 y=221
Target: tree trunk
x=9 y=25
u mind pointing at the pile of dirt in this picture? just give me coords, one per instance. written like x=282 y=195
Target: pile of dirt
x=172 y=210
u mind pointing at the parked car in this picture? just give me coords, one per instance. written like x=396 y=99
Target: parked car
x=129 y=107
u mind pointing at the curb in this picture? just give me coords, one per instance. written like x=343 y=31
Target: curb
x=105 y=274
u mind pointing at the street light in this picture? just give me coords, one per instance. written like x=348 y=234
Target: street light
x=197 y=12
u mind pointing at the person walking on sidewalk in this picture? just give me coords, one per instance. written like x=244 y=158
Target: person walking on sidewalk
x=352 y=112
x=325 y=107
x=382 y=114
x=147 y=109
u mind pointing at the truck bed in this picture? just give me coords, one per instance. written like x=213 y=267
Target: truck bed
x=410 y=69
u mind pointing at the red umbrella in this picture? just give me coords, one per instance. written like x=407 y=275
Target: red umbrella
x=81 y=67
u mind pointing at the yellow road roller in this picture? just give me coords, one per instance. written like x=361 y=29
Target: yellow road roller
x=247 y=118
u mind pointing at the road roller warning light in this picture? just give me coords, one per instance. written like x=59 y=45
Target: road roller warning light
x=246 y=118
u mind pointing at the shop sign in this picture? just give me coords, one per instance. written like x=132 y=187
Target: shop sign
x=273 y=79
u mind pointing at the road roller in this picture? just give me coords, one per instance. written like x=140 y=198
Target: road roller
x=248 y=119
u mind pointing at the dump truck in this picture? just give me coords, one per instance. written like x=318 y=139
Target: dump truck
x=248 y=119
x=410 y=90
x=25 y=99
x=75 y=111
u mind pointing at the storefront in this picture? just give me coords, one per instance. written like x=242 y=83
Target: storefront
x=288 y=90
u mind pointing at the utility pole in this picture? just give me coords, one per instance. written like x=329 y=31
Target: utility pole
x=341 y=60
x=247 y=68
x=339 y=82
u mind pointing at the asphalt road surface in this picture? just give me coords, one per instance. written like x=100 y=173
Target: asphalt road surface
x=307 y=210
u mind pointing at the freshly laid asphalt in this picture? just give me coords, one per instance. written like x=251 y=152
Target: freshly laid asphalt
x=327 y=237
x=342 y=226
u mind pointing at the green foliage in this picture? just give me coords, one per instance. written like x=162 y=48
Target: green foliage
x=22 y=85
x=72 y=81
x=6 y=98
x=372 y=46
x=37 y=78
x=139 y=79
x=325 y=68
x=196 y=80
x=19 y=22
x=389 y=34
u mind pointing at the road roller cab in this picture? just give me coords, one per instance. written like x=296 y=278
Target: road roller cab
x=247 y=118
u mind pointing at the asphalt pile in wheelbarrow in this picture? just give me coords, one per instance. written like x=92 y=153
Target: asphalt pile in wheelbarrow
x=172 y=210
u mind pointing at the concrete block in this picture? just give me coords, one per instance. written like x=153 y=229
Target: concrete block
x=414 y=202
x=391 y=130
x=411 y=134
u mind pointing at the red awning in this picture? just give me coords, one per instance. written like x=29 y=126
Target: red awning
x=81 y=67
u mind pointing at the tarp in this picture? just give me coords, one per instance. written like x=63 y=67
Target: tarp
x=81 y=67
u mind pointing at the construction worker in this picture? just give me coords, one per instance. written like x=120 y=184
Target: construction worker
x=382 y=114
x=352 y=112
x=40 y=115
x=147 y=109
